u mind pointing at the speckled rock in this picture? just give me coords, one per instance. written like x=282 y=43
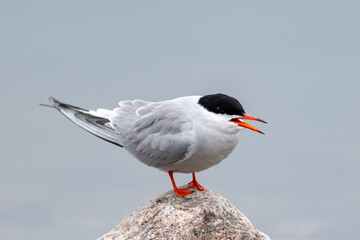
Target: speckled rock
x=201 y=215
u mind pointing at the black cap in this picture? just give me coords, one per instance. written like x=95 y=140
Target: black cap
x=222 y=104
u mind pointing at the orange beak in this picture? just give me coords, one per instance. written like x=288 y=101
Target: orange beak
x=243 y=124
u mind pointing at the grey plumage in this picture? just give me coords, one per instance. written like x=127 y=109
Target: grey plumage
x=187 y=134
x=149 y=130
x=146 y=129
x=96 y=125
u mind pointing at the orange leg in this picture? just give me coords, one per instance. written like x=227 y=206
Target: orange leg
x=182 y=192
x=194 y=184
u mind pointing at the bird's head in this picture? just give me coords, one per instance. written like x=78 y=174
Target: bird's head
x=223 y=104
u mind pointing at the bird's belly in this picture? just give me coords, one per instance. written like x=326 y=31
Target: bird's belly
x=199 y=163
x=206 y=155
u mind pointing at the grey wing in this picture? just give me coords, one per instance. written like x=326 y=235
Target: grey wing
x=95 y=122
x=156 y=134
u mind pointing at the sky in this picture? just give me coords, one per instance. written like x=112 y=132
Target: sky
x=294 y=64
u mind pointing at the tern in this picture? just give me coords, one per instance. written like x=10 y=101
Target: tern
x=183 y=135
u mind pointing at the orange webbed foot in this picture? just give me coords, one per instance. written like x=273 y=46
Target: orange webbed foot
x=196 y=185
x=182 y=192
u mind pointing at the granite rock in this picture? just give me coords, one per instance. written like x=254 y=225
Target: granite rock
x=201 y=215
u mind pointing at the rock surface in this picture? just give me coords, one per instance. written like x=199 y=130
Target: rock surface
x=201 y=215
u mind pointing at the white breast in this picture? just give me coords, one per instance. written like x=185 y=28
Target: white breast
x=215 y=139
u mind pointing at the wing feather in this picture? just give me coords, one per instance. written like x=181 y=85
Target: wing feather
x=95 y=122
x=157 y=135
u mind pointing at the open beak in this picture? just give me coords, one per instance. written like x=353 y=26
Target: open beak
x=243 y=124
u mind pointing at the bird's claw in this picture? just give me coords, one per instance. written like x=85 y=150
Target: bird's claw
x=196 y=185
x=183 y=192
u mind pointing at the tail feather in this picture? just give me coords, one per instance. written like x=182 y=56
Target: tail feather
x=88 y=120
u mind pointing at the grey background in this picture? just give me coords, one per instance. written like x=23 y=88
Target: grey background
x=292 y=63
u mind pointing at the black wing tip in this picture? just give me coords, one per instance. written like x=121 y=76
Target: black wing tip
x=61 y=106
x=53 y=101
x=57 y=104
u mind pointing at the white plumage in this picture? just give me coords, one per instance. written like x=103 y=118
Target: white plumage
x=187 y=134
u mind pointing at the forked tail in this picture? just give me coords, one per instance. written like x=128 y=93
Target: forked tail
x=88 y=120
